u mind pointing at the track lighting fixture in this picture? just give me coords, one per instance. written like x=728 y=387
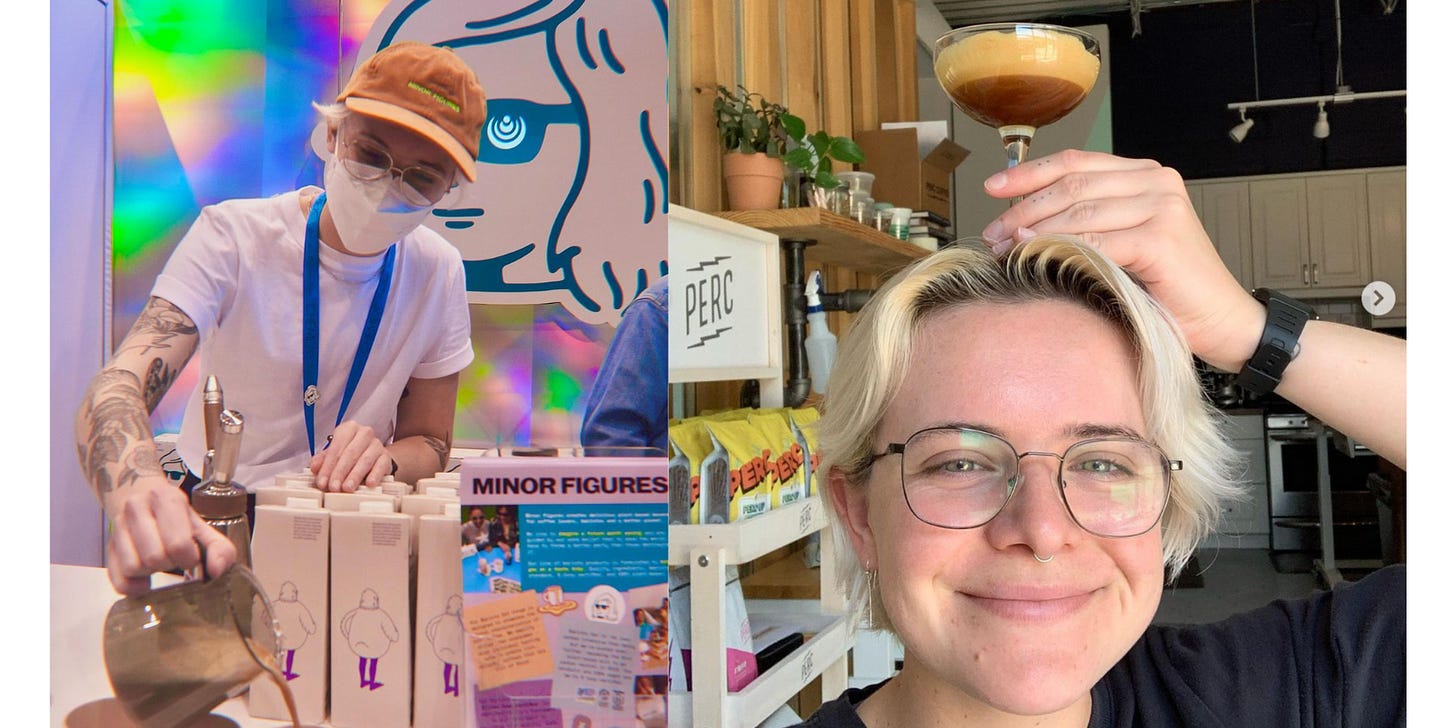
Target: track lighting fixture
x=1242 y=129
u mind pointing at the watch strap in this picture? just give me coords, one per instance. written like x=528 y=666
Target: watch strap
x=1277 y=344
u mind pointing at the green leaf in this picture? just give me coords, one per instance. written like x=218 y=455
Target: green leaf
x=845 y=150
x=820 y=142
x=826 y=179
x=793 y=125
x=799 y=159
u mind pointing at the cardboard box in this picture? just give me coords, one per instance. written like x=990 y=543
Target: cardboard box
x=906 y=177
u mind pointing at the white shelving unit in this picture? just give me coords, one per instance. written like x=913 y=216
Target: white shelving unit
x=713 y=259
x=708 y=550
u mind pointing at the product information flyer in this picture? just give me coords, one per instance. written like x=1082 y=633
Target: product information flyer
x=565 y=572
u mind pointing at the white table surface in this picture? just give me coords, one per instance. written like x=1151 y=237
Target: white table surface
x=80 y=598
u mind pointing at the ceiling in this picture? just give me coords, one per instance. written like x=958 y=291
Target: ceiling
x=967 y=12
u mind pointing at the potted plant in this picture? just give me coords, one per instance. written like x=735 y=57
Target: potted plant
x=815 y=156
x=751 y=129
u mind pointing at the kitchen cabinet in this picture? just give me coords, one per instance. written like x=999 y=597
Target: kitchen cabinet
x=1224 y=209
x=1339 y=232
x=1245 y=523
x=1386 y=194
x=1279 y=233
x=1315 y=235
x=1310 y=232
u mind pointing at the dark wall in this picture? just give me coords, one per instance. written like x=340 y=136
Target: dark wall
x=1170 y=86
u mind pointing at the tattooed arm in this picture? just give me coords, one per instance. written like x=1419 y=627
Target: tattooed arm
x=424 y=422
x=152 y=525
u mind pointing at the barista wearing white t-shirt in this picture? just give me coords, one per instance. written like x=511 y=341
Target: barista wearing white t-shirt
x=336 y=323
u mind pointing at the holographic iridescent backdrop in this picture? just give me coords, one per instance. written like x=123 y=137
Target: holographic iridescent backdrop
x=212 y=101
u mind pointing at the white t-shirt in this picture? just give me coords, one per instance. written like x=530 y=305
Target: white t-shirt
x=238 y=274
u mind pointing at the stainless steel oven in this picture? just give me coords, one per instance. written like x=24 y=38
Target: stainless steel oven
x=1294 y=489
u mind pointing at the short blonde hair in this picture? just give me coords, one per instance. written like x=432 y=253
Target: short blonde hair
x=333 y=114
x=875 y=354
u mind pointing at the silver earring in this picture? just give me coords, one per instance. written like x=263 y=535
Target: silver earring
x=1038 y=557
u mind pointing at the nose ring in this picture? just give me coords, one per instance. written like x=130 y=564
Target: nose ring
x=1038 y=557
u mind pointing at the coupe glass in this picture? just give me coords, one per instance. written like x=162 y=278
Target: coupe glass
x=1017 y=77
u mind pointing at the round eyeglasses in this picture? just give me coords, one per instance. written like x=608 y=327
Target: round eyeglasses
x=961 y=478
x=368 y=161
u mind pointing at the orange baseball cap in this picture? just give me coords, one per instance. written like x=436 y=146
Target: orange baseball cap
x=424 y=88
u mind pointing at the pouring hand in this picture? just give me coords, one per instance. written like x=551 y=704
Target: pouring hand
x=353 y=457
x=153 y=529
x=1138 y=213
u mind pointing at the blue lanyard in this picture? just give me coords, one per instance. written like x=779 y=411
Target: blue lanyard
x=311 y=322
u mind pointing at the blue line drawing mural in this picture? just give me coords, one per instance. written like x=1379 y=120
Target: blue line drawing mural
x=570 y=206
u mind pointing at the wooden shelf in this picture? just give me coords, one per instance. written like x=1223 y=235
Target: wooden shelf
x=840 y=240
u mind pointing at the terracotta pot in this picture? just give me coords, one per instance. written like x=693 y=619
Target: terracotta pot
x=754 y=181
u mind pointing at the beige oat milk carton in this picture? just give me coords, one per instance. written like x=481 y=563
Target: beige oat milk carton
x=439 y=631
x=369 y=618
x=291 y=561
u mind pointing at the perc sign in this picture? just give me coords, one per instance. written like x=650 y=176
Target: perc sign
x=724 y=297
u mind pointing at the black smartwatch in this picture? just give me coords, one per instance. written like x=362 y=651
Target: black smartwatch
x=1278 y=343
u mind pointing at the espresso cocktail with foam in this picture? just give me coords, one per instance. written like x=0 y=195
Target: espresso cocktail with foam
x=1009 y=78
x=1019 y=76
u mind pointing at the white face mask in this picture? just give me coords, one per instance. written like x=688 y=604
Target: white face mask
x=369 y=216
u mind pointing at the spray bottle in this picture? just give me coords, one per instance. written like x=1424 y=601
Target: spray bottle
x=820 y=346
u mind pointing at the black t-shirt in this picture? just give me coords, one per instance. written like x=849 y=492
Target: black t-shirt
x=1334 y=659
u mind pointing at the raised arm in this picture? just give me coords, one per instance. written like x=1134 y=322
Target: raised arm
x=1138 y=212
x=153 y=527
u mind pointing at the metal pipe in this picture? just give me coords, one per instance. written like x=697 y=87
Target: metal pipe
x=849 y=301
x=1329 y=99
x=796 y=320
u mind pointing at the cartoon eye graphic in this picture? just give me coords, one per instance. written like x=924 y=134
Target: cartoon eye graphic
x=506 y=131
x=516 y=128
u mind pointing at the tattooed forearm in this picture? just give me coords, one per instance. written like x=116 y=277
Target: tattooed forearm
x=113 y=436
x=161 y=323
x=159 y=380
x=441 y=447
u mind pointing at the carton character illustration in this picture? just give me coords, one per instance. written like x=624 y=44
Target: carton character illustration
x=295 y=624
x=446 y=633
x=571 y=201
x=369 y=632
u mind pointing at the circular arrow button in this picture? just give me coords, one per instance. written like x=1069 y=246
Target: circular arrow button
x=1378 y=298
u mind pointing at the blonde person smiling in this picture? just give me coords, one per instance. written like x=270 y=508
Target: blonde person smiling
x=1016 y=445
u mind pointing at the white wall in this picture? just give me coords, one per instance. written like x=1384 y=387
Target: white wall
x=80 y=85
